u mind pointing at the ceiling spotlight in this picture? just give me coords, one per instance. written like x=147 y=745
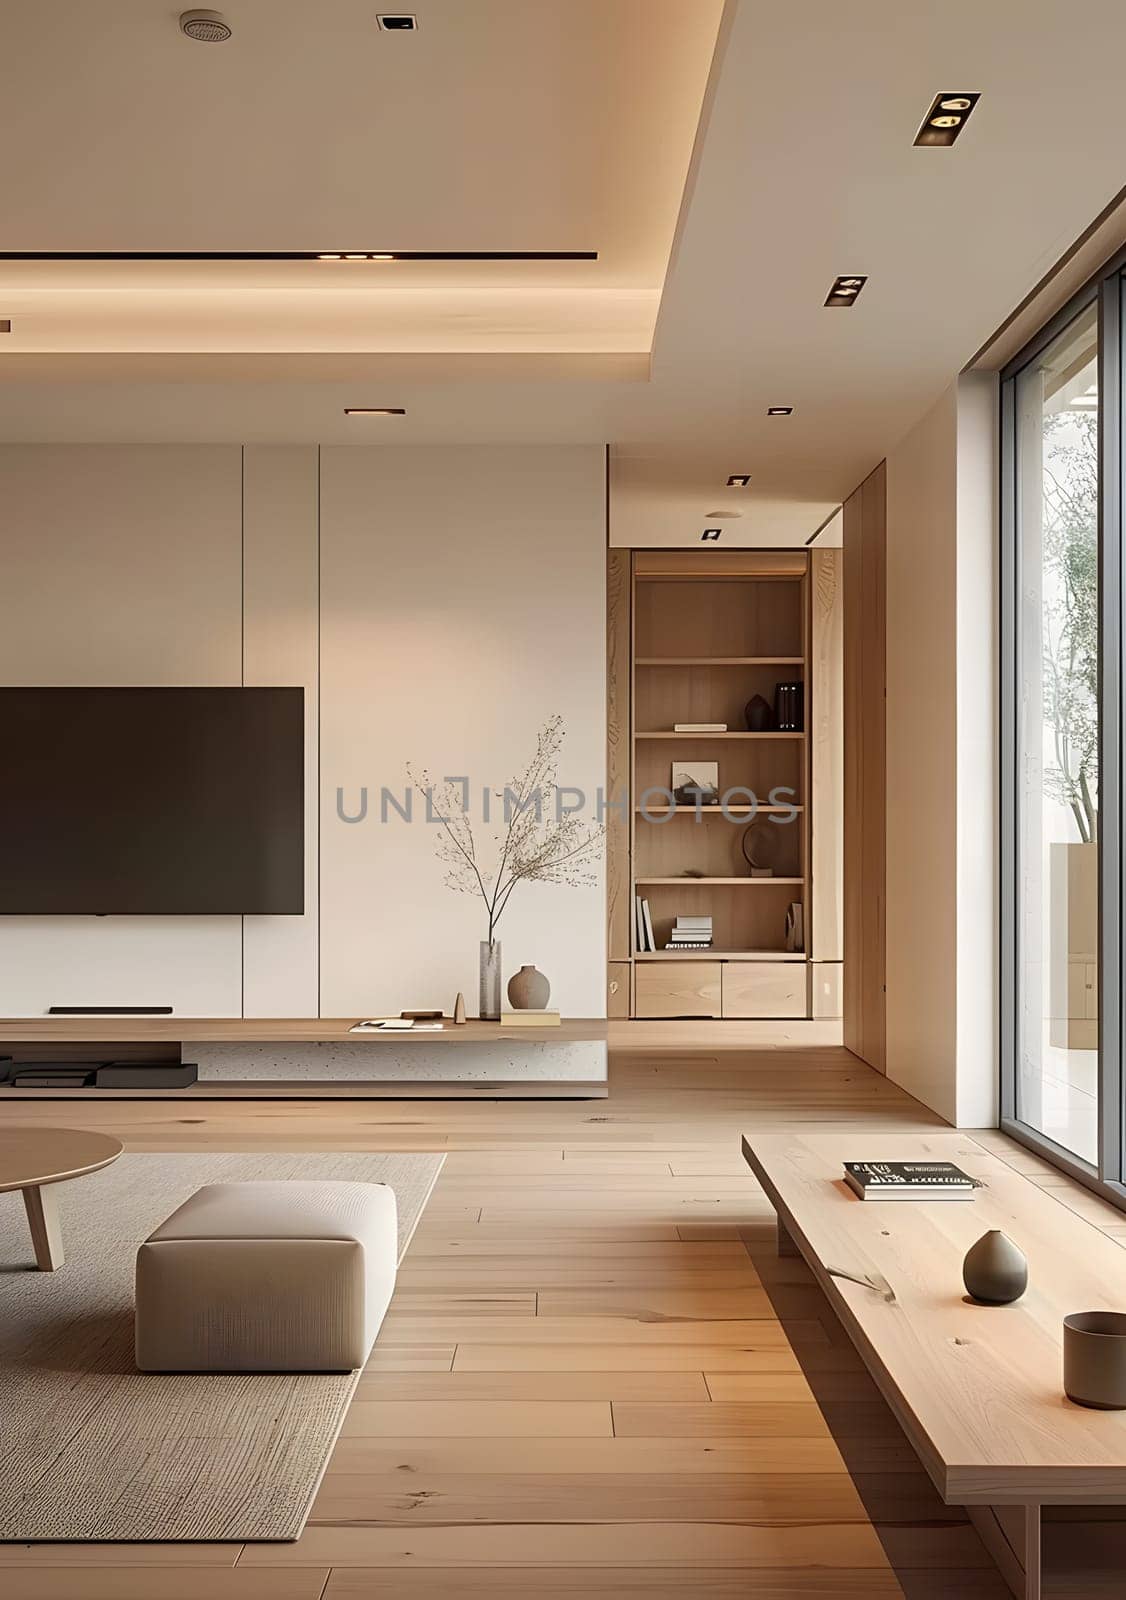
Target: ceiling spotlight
x=779 y=411
x=739 y=480
x=375 y=411
x=329 y=258
x=398 y=22
x=946 y=118
x=845 y=291
x=710 y=535
x=355 y=258
x=205 y=27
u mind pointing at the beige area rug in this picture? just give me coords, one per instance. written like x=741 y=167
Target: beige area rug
x=92 y=1449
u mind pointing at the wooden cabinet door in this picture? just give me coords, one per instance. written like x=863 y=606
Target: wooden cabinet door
x=617 y=990
x=678 y=988
x=764 y=989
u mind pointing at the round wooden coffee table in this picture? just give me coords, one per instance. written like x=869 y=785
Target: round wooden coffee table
x=32 y=1159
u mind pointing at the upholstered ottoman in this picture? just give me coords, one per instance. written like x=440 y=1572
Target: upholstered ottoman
x=267 y=1277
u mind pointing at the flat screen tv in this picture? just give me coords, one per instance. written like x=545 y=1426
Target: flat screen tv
x=155 y=802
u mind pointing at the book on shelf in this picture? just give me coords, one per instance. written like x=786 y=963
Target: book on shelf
x=690 y=933
x=643 y=926
x=699 y=727
x=909 y=1180
x=529 y=1019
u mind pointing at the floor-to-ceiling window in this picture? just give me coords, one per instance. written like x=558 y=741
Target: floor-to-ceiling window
x=1061 y=623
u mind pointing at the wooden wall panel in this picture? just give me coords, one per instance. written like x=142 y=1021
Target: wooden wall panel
x=619 y=899
x=865 y=788
x=827 y=756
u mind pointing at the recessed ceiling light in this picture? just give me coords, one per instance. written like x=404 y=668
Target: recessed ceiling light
x=946 y=118
x=845 y=290
x=710 y=535
x=398 y=22
x=779 y=411
x=739 y=480
x=375 y=411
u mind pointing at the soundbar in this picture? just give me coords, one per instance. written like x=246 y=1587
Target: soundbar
x=109 y=1011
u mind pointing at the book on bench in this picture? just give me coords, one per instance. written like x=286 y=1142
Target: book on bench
x=909 y=1180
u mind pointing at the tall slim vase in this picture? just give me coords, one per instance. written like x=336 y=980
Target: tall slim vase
x=488 y=1008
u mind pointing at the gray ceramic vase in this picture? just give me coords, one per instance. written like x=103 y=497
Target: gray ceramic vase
x=995 y=1271
x=528 y=990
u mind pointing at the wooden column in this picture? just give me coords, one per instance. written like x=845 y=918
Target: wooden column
x=826 y=794
x=619 y=896
x=865 y=788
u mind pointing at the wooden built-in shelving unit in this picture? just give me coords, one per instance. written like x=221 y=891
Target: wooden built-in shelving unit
x=703 y=633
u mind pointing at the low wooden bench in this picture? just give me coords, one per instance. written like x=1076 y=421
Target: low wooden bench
x=978 y=1390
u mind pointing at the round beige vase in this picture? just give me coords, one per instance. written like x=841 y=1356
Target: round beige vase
x=528 y=990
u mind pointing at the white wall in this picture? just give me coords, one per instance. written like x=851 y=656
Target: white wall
x=941 y=779
x=463 y=603
x=436 y=605
x=120 y=565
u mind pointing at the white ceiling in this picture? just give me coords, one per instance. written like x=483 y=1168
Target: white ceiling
x=500 y=125
x=542 y=125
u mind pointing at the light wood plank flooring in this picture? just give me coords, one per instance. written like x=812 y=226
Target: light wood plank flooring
x=597 y=1379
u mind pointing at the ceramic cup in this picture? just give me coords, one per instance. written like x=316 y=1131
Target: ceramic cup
x=1094 y=1359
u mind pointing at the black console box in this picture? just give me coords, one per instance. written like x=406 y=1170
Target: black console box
x=136 y=1075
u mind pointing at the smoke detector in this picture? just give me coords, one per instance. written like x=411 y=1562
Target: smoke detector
x=206 y=27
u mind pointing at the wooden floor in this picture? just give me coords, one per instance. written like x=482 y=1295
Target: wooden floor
x=596 y=1379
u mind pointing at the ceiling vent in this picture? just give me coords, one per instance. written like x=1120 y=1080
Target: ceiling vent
x=206 y=27
x=398 y=22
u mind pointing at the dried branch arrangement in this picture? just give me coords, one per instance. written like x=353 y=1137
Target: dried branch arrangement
x=537 y=843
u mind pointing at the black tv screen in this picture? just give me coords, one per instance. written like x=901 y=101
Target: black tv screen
x=152 y=801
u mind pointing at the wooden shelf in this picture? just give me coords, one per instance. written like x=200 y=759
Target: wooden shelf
x=719 y=955
x=708 y=637
x=720 y=661
x=281 y=1030
x=742 y=883
x=669 y=734
x=740 y=810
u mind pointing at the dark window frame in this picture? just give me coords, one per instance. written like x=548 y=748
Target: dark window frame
x=1107 y=289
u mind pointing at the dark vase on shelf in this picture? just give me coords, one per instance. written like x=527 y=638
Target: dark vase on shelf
x=788 y=707
x=760 y=717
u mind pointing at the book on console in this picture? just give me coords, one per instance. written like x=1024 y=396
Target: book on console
x=909 y=1180
x=529 y=1019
